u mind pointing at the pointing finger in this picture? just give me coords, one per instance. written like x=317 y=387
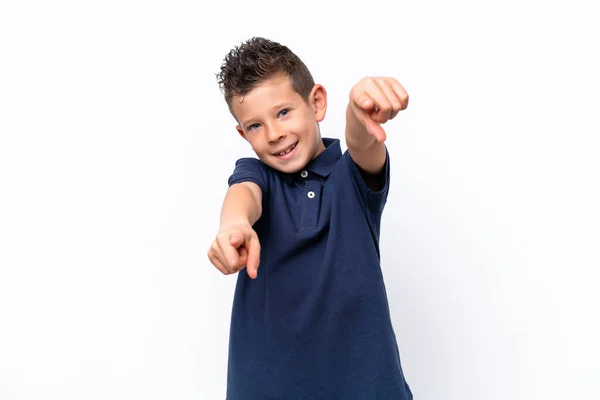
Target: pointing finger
x=372 y=127
x=375 y=129
x=253 y=257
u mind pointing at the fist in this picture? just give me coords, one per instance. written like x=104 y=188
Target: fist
x=376 y=100
x=235 y=247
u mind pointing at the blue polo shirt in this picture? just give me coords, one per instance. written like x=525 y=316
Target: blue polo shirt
x=315 y=323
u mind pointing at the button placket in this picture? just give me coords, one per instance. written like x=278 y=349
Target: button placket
x=312 y=203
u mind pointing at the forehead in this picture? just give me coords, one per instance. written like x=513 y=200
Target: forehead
x=268 y=94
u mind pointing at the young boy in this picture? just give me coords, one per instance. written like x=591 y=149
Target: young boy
x=310 y=318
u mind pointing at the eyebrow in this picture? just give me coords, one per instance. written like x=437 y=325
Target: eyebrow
x=275 y=107
x=282 y=105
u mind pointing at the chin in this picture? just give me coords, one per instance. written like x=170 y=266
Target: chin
x=288 y=167
x=293 y=169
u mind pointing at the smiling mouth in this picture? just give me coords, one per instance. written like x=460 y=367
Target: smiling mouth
x=286 y=151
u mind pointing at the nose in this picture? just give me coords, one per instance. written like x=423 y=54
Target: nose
x=274 y=134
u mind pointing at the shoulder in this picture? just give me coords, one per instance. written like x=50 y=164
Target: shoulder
x=250 y=162
x=249 y=169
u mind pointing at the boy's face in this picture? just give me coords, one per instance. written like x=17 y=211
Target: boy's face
x=280 y=126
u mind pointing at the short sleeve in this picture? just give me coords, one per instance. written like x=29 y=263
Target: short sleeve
x=374 y=199
x=250 y=170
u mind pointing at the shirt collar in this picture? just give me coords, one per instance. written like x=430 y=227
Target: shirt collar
x=323 y=163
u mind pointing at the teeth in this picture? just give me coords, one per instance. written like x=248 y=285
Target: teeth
x=287 y=151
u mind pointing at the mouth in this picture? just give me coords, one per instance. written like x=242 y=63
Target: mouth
x=285 y=153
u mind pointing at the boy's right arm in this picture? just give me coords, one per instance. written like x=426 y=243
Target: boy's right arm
x=237 y=244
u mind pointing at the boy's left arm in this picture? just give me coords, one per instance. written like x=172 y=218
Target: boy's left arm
x=373 y=101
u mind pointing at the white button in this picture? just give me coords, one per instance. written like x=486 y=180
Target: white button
x=311 y=194
x=304 y=174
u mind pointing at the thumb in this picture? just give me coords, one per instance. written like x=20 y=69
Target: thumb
x=235 y=240
x=365 y=103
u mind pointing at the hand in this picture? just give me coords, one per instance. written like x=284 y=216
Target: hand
x=376 y=100
x=236 y=246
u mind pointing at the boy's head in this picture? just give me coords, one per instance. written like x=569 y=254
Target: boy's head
x=277 y=105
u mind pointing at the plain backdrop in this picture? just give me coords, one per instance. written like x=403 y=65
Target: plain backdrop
x=116 y=146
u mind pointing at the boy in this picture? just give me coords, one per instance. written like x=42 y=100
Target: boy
x=310 y=318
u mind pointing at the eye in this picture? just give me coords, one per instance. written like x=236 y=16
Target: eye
x=253 y=127
x=284 y=112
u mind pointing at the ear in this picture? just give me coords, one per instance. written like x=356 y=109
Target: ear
x=241 y=132
x=318 y=100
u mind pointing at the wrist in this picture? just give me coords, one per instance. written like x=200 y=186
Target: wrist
x=233 y=221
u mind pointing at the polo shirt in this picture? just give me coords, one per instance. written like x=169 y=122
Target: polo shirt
x=315 y=323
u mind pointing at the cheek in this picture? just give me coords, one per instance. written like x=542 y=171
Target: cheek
x=302 y=126
x=257 y=148
x=254 y=143
x=261 y=147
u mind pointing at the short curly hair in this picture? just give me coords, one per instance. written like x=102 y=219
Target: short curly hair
x=256 y=60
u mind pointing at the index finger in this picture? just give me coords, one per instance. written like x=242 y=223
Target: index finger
x=253 y=256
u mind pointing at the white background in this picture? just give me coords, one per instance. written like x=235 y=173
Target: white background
x=116 y=146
